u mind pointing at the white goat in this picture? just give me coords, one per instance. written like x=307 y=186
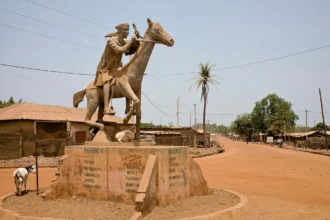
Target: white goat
x=125 y=136
x=21 y=176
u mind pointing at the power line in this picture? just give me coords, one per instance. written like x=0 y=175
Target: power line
x=44 y=22
x=53 y=38
x=78 y=73
x=168 y=89
x=35 y=81
x=275 y=58
x=257 y=62
x=317 y=112
x=155 y=105
x=188 y=113
x=45 y=70
x=175 y=74
x=64 y=13
x=53 y=71
x=220 y=69
x=86 y=74
x=161 y=87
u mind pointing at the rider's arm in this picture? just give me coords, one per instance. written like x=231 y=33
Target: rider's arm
x=133 y=48
x=118 y=49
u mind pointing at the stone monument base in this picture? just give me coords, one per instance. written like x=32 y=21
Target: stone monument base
x=144 y=175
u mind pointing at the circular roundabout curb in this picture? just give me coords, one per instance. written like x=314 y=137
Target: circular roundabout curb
x=225 y=214
x=230 y=213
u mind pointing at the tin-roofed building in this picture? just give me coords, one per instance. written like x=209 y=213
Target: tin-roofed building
x=54 y=123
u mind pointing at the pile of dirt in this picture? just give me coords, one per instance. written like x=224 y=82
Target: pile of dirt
x=83 y=209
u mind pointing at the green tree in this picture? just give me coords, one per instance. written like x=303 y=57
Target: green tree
x=273 y=115
x=243 y=125
x=319 y=127
x=203 y=79
x=222 y=129
x=147 y=125
x=10 y=101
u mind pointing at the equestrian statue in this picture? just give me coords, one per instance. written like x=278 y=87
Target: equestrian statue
x=113 y=80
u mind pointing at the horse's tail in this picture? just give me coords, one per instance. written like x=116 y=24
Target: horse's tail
x=78 y=97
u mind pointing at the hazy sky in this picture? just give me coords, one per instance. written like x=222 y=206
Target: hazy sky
x=225 y=33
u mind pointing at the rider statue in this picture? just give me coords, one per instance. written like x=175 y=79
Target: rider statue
x=111 y=60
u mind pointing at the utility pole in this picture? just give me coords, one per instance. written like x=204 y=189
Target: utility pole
x=306 y=120
x=177 y=112
x=190 y=118
x=324 y=126
x=195 y=115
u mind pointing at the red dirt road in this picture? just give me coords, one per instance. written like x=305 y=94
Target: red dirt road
x=7 y=185
x=279 y=183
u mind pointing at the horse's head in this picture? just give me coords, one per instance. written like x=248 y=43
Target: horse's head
x=157 y=33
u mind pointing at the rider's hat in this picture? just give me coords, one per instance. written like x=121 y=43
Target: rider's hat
x=122 y=26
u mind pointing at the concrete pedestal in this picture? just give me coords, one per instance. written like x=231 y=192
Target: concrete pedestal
x=114 y=173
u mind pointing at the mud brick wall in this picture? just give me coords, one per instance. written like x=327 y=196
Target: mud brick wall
x=168 y=139
x=10 y=146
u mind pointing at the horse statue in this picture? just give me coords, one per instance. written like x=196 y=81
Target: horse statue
x=128 y=81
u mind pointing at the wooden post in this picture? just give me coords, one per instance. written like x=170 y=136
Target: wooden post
x=324 y=126
x=195 y=116
x=36 y=155
x=306 y=131
x=37 y=170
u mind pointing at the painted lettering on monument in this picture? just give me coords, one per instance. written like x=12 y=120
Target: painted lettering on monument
x=93 y=150
x=91 y=173
x=176 y=168
x=133 y=164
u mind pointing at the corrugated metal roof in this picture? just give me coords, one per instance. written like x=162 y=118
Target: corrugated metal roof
x=301 y=134
x=159 y=132
x=30 y=111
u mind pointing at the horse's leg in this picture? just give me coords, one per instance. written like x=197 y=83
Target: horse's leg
x=107 y=93
x=138 y=117
x=92 y=104
x=100 y=113
x=100 y=97
x=128 y=92
x=128 y=105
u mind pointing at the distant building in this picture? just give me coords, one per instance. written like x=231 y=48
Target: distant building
x=63 y=125
x=175 y=136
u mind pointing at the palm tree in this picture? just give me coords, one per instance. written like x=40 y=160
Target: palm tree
x=203 y=79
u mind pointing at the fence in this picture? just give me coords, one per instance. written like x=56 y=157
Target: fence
x=313 y=143
x=10 y=146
